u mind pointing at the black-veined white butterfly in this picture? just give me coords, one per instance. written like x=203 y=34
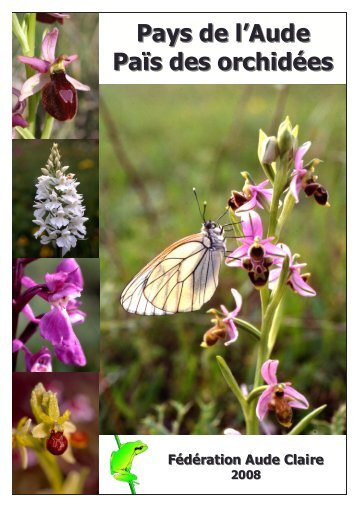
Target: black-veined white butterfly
x=181 y=278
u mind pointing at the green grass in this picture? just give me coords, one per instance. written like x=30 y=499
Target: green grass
x=177 y=137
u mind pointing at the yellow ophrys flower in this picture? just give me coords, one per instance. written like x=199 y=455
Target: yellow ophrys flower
x=52 y=427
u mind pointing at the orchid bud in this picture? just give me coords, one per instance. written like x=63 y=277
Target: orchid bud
x=285 y=138
x=269 y=150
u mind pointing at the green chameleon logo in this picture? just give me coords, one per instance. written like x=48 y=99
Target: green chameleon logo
x=122 y=459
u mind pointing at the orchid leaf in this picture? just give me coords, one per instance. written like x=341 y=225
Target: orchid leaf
x=306 y=420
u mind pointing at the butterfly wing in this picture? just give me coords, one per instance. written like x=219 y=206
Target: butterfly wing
x=180 y=279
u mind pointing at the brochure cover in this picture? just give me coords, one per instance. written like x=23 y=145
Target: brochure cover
x=178 y=180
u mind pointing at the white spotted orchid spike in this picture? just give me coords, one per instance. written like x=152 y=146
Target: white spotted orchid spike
x=59 y=210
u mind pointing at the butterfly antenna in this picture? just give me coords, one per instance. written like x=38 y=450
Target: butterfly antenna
x=220 y=217
x=202 y=213
x=204 y=210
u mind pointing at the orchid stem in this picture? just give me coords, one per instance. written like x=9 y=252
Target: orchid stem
x=51 y=469
x=288 y=205
x=48 y=125
x=33 y=99
x=24 y=133
x=19 y=34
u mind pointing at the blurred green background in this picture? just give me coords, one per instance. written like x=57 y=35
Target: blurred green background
x=28 y=158
x=157 y=142
x=87 y=333
x=78 y=35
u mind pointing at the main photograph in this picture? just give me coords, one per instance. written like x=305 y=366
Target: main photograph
x=223 y=259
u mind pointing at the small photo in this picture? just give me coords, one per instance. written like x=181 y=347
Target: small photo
x=55 y=315
x=55 y=75
x=55 y=198
x=55 y=433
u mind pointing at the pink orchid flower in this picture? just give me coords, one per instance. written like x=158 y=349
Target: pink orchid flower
x=278 y=397
x=255 y=255
x=296 y=281
x=251 y=197
x=299 y=171
x=59 y=96
x=304 y=179
x=224 y=328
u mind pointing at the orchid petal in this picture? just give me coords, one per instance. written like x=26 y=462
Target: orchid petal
x=251 y=225
x=232 y=332
x=40 y=431
x=18 y=121
x=274 y=251
x=28 y=282
x=295 y=186
x=300 y=153
x=234 y=259
x=77 y=84
x=299 y=401
x=77 y=316
x=23 y=457
x=238 y=301
x=41 y=66
x=300 y=286
x=273 y=277
x=33 y=85
x=55 y=326
x=69 y=59
x=71 y=353
x=17 y=345
x=27 y=311
x=268 y=371
x=260 y=186
x=39 y=362
x=285 y=248
x=68 y=456
x=71 y=267
x=263 y=403
x=231 y=431
x=49 y=45
x=248 y=206
x=224 y=310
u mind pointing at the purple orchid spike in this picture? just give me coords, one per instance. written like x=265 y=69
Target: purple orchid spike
x=255 y=255
x=17 y=110
x=296 y=281
x=63 y=287
x=59 y=96
x=224 y=328
x=278 y=397
x=252 y=196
